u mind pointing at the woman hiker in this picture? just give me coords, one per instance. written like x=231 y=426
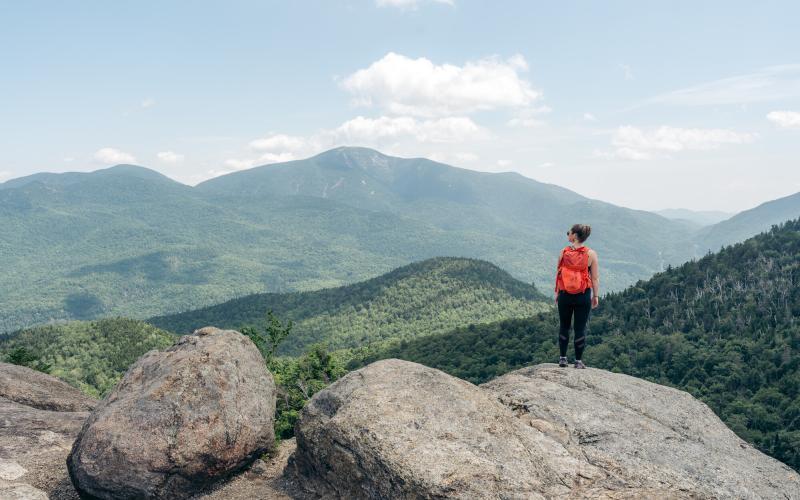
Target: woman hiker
x=577 y=285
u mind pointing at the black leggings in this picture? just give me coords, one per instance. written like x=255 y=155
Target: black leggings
x=581 y=305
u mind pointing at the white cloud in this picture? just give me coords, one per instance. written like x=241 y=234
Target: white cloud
x=237 y=164
x=170 y=157
x=148 y=102
x=452 y=158
x=274 y=148
x=518 y=61
x=210 y=174
x=373 y=131
x=4 y=174
x=786 y=119
x=547 y=164
x=466 y=157
x=69 y=159
x=768 y=84
x=503 y=163
x=633 y=143
x=276 y=158
x=113 y=156
x=589 y=117
x=527 y=117
x=633 y=154
x=408 y=4
x=626 y=70
x=525 y=122
x=278 y=143
x=418 y=87
x=386 y=133
x=244 y=163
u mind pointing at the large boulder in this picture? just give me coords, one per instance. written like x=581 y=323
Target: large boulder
x=38 y=390
x=179 y=420
x=642 y=435
x=397 y=429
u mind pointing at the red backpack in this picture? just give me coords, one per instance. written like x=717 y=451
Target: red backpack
x=574 y=269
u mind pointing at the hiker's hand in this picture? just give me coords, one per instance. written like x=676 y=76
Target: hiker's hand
x=595 y=301
x=555 y=298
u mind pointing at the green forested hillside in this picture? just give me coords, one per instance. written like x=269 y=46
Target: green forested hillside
x=91 y=355
x=742 y=225
x=724 y=327
x=423 y=298
x=128 y=241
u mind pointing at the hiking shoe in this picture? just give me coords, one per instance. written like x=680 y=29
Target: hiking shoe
x=579 y=364
x=562 y=362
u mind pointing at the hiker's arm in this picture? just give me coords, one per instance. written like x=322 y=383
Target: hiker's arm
x=555 y=287
x=595 y=270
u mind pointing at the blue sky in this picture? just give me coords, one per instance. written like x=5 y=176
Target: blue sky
x=693 y=104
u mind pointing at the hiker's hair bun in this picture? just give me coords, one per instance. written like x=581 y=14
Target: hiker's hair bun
x=582 y=231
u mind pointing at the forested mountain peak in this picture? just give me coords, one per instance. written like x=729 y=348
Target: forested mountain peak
x=133 y=171
x=61 y=179
x=367 y=178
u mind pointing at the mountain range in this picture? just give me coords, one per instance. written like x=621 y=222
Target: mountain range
x=129 y=241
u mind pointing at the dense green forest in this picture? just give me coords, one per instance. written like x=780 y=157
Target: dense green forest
x=724 y=328
x=128 y=241
x=423 y=298
x=90 y=355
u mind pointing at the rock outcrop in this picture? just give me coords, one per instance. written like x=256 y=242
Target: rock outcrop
x=182 y=421
x=396 y=429
x=179 y=420
x=38 y=390
x=37 y=429
x=643 y=436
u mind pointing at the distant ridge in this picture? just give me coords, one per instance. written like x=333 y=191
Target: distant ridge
x=749 y=222
x=66 y=178
x=419 y=299
x=700 y=217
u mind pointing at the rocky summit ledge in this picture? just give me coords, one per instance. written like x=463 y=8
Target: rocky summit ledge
x=202 y=411
x=38 y=390
x=38 y=424
x=641 y=436
x=396 y=429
